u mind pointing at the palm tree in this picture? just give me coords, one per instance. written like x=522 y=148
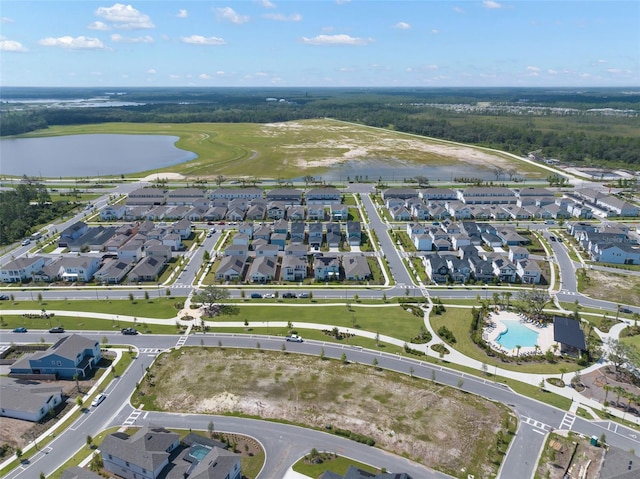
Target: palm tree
x=518 y=349
x=562 y=371
x=606 y=389
x=619 y=390
x=508 y=295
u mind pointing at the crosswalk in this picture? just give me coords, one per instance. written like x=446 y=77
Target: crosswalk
x=131 y=420
x=567 y=421
x=535 y=423
x=150 y=350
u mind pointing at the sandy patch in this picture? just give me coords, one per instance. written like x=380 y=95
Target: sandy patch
x=164 y=176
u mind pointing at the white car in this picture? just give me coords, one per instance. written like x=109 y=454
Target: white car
x=98 y=399
x=26 y=242
x=268 y=295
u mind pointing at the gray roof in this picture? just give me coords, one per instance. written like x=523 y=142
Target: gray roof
x=77 y=472
x=567 y=331
x=356 y=266
x=21 y=263
x=23 y=395
x=68 y=347
x=215 y=465
x=620 y=464
x=146 y=448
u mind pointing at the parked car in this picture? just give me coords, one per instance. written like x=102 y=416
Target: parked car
x=4 y=297
x=303 y=295
x=560 y=240
x=98 y=399
x=289 y=295
x=20 y=330
x=129 y=331
x=26 y=242
x=552 y=238
x=268 y=295
x=626 y=310
x=57 y=329
x=295 y=338
x=256 y=296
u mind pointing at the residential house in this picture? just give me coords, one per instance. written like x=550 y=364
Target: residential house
x=322 y=196
x=316 y=212
x=458 y=210
x=256 y=212
x=616 y=253
x=487 y=195
x=402 y=193
x=270 y=250
x=147 y=196
x=354 y=473
x=113 y=271
x=422 y=242
x=528 y=271
x=113 y=213
x=504 y=270
x=77 y=472
x=132 y=250
x=28 y=400
x=215 y=213
x=510 y=237
x=459 y=269
x=334 y=235
x=22 y=269
x=297 y=232
x=518 y=253
x=235 y=214
x=296 y=213
x=279 y=239
x=579 y=210
x=481 y=269
x=315 y=235
x=246 y=228
x=400 y=213
x=93 y=240
x=438 y=194
x=569 y=335
x=233 y=193
x=185 y=196
x=72 y=233
x=294 y=268
x=237 y=250
x=326 y=268
x=231 y=268
x=262 y=232
x=356 y=268
x=148 y=269
x=241 y=239
x=197 y=213
x=69 y=356
x=141 y=455
x=157 y=213
x=72 y=268
x=289 y=196
x=339 y=211
x=459 y=241
x=262 y=269
x=354 y=233
x=276 y=210
x=436 y=268
x=300 y=250
x=157 y=249
x=281 y=226
x=177 y=213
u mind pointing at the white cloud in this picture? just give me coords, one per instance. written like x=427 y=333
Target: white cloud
x=458 y=9
x=340 y=39
x=435 y=31
x=7 y=20
x=73 y=43
x=491 y=4
x=220 y=73
x=533 y=69
x=229 y=14
x=294 y=17
x=98 y=26
x=97 y=74
x=552 y=72
x=125 y=17
x=342 y=2
x=402 y=26
x=267 y=4
x=174 y=77
x=182 y=13
x=200 y=40
x=120 y=39
x=151 y=71
x=204 y=76
x=11 y=46
x=614 y=70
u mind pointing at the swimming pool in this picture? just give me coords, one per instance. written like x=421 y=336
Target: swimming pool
x=198 y=452
x=517 y=334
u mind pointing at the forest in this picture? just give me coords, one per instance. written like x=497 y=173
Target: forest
x=587 y=136
x=26 y=205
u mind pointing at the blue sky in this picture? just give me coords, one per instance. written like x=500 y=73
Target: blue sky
x=320 y=43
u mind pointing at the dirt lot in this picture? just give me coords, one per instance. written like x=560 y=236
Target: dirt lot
x=435 y=425
x=558 y=453
x=618 y=288
x=595 y=382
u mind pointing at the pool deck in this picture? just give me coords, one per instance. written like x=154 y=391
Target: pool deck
x=491 y=333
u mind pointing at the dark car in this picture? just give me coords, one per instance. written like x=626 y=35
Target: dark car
x=129 y=331
x=58 y=329
x=256 y=295
x=289 y=295
x=20 y=330
x=626 y=310
x=4 y=297
x=552 y=238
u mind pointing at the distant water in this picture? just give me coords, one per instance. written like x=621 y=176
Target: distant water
x=89 y=155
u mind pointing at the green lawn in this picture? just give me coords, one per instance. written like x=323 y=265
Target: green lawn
x=337 y=464
x=457 y=320
x=156 y=307
x=88 y=324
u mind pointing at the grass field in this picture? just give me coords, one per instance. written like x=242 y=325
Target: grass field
x=436 y=425
x=289 y=150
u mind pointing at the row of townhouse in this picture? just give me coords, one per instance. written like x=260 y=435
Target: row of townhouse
x=137 y=252
x=219 y=209
x=482 y=203
x=611 y=206
x=453 y=235
x=606 y=243
x=195 y=196
x=282 y=232
x=472 y=264
x=291 y=267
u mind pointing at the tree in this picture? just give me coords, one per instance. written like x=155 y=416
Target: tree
x=485 y=368
x=411 y=371
x=343 y=358
x=76 y=378
x=518 y=347
x=104 y=341
x=374 y=363
x=209 y=297
x=377 y=339
x=322 y=354
x=18 y=452
x=219 y=180
x=307 y=179
x=618 y=353
x=534 y=300
x=89 y=441
x=562 y=372
x=210 y=428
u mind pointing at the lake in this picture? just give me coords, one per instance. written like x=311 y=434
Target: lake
x=89 y=155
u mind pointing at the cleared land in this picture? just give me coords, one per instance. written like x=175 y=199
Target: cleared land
x=438 y=426
x=618 y=288
x=291 y=149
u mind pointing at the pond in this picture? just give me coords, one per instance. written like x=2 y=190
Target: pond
x=89 y=155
